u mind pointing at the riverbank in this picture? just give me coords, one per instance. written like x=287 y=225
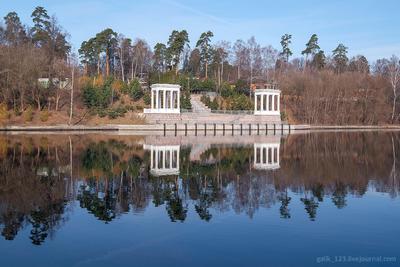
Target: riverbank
x=192 y=127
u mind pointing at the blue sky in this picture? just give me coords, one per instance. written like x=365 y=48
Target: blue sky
x=368 y=27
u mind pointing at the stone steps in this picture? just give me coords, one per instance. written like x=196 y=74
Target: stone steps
x=197 y=105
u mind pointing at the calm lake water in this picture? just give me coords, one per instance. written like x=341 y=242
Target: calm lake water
x=314 y=199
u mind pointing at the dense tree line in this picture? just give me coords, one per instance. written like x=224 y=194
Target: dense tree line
x=318 y=87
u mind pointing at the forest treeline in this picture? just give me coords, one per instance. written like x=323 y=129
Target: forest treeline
x=40 y=73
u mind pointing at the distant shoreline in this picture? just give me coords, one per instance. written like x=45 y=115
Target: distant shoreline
x=200 y=127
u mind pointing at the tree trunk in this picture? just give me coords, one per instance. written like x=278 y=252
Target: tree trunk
x=98 y=64
x=72 y=96
x=122 y=65
x=107 y=65
x=393 y=104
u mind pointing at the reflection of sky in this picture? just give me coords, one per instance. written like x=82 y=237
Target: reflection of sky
x=246 y=227
x=368 y=226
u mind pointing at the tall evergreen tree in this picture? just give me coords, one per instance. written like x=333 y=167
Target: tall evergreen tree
x=107 y=40
x=205 y=49
x=286 y=40
x=160 y=57
x=312 y=48
x=340 y=58
x=41 y=26
x=176 y=45
x=14 y=32
x=319 y=59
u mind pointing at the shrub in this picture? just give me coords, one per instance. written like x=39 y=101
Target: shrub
x=283 y=116
x=135 y=90
x=185 y=100
x=28 y=114
x=214 y=104
x=147 y=98
x=96 y=97
x=44 y=115
x=117 y=112
x=241 y=102
x=4 y=113
x=242 y=87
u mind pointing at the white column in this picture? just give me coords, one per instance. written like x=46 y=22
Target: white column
x=171 y=99
x=174 y=94
x=279 y=102
x=151 y=157
x=273 y=103
x=152 y=99
x=164 y=95
x=156 y=158
x=179 y=99
x=255 y=102
x=157 y=99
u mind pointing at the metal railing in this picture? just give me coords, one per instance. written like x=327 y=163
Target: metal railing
x=234 y=112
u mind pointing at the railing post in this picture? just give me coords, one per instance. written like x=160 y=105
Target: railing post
x=215 y=128
x=274 y=128
x=205 y=128
x=249 y=128
x=233 y=129
x=195 y=128
x=266 y=128
x=258 y=129
x=164 y=129
x=241 y=129
x=185 y=129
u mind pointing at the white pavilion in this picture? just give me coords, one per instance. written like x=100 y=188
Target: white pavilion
x=267 y=100
x=165 y=98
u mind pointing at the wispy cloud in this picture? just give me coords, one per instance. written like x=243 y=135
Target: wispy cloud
x=198 y=12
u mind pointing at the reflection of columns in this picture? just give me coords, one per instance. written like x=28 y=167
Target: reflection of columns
x=266 y=156
x=164 y=160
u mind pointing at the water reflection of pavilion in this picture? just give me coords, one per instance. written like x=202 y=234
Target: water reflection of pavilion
x=266 y=156
x=164 y=159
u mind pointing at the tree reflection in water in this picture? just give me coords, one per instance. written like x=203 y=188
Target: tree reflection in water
x=110 y=176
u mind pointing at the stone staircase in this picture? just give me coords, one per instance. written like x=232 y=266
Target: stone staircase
x=197 y=105
x=197 y=150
